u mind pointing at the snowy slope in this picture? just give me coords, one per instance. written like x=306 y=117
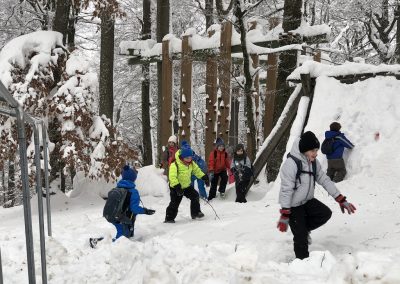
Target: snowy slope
x=243 y=246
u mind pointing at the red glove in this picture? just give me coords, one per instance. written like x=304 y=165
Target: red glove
x=283 y=220
x=345 y=205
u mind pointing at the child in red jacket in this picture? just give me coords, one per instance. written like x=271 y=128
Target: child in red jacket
x=218 y=163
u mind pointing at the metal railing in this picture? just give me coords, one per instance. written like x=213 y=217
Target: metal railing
x=16 y=110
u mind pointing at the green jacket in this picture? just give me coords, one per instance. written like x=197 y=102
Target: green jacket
x=184 y=173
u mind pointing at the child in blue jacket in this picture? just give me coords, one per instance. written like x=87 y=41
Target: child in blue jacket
x=126 y=228
x=336 y=167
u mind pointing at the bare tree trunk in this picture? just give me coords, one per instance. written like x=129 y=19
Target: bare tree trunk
x=106 y=103
x=209 y=11
x=60 y=23
x=11 y=184
x=397 y=50
x=146 y=127
x=71 y=28
x=248 y=87
x=287 y=63
x=162 y=30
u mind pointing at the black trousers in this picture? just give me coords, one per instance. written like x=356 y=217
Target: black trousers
x=241 y=190
x=303 y=219
x=336 y=170
x=214 y=183
x=172 y=209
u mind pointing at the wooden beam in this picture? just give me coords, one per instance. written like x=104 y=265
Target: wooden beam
x=203 y=54
x=186 y=89
x=211 y=99
x=225 y=64
x=166 y=89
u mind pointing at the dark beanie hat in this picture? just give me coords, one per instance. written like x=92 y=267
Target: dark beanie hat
x=219 y=142
x=335 y=126
x=239 y=147
x=128 y=173
x=308 y=141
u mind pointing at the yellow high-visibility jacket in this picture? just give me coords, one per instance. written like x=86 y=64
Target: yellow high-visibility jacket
x=183 y=174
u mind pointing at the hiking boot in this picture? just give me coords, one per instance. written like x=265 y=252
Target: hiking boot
x=199 y=215
x=169 y=221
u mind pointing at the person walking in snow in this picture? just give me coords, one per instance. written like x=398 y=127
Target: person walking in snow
x=127 y=226
x=336 y=166
x=218 y=163
x=180 y=173
x=168 y=155
x=203 y=166
x=241 y=168
x=300 y=210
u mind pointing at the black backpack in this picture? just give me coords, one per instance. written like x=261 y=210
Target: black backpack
x=117 y=205
x=300 y=169
x=327 y=146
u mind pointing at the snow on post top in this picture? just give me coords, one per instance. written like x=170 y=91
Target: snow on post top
x=15 y=52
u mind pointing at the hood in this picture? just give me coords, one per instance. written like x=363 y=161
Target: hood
x=331 y=134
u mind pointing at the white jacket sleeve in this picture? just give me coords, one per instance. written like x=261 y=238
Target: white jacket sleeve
x=288 y=181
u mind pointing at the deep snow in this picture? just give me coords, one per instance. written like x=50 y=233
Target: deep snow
x=243 y=246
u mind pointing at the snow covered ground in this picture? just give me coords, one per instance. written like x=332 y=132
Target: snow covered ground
x=243 y=246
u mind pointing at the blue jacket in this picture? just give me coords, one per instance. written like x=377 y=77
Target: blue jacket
x=340 y=143
x=135 y=198
x=200 y=162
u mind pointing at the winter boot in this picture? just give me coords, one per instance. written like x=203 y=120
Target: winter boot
x=198 y=216
x=222 y=194
x=169 y=221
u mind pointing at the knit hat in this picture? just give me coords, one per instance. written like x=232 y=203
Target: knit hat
x=335 y=126
x=219 y=142
x=308 y=141
x=186 y=152
x=173 y=139
x=128 y=173
x=184 y=144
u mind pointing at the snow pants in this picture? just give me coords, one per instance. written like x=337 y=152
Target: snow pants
x=126 y=230
x=214 y=183
x=200 y=185
x=172 y=209
x=241 y=190
x=302 y=220
x=336 y=170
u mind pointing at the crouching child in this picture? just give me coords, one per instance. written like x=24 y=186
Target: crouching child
x=122 y=205
x=300 y=210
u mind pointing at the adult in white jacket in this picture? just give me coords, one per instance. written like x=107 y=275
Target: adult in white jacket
x=300 y=210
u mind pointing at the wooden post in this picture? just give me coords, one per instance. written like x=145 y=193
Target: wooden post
x=225 y=62
x=317 y=56
x=211 y=101
x=272 y=73
x=166 y=103
x=186 y=89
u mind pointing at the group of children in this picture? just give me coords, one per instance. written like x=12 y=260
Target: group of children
x=300 y=210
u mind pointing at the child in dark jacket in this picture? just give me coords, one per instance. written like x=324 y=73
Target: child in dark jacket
x=336 y=167
x=242 y=170
x=126 y=228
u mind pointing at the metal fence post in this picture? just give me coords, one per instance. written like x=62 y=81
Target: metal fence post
x=46 y=178
x=39 y=194
x=26 y=194
x=1 y=269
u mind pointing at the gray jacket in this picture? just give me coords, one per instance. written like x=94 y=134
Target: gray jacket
x=290 y=197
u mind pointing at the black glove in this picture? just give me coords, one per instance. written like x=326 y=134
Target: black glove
x=149 y=211
x=178 y=189
x=206 y=180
